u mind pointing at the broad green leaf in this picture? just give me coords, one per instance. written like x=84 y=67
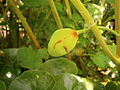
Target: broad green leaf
x=31 y=58
x=35 y=3
x=62 y=41
x=60 y=65
x=33 y=80
x=101 y=60
x=68 y=82
x=2 y=85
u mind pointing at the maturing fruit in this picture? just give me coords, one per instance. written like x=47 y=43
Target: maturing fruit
x=62 y=41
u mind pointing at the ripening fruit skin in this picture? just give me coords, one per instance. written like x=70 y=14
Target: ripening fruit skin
x=62 y=41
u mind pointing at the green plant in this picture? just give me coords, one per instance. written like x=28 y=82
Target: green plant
x=76 y=28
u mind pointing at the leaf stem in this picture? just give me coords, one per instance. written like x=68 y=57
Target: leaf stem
x=90 y=21
x=25 y=24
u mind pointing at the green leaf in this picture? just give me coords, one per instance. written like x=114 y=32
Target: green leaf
x=11 y=53
x=35 y=3
x=89 y=85
x=33 y=80
x=110 y=1
x=68 y=82
x=114 y=85
x=101 y=60
x=31 y=58
x=98 y=86
x=60 y=65
x=94 y=9
x=2 y=85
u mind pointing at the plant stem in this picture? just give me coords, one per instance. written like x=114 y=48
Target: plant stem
x=25 y=24
x=100 y=27
x=117 y=25
x=90 y=21
x=112 y=31
x=83 y=30
x=68 y=9
x=55 y=13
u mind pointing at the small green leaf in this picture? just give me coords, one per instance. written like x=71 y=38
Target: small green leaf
x=35 y=3
x=101 y=60
x=60 y=65
x=2 y=85
x=33 y=80
x=31 y=58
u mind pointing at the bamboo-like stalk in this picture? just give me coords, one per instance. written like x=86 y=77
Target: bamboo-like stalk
x=25 y=24
x=55 y=13
x=68 y=9
x=117 y=25
x=90 y=21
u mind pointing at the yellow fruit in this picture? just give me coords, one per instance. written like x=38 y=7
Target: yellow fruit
x=62 y=41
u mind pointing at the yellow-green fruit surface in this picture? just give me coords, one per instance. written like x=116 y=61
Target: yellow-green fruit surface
x=62 y=41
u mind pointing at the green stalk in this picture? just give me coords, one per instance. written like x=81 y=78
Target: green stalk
x=55 y=13
x=99 y=27
x=117 y=25
x=83 y=30
x=112 y=31
x=24 y=22
x=90 y=21
x=68 y=9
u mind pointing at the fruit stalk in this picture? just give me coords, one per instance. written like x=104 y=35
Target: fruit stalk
x=90 y=21
x=25 y=24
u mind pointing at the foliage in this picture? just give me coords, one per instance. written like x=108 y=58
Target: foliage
x=23 y=67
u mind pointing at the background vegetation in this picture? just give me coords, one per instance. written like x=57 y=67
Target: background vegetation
x=25 y=63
